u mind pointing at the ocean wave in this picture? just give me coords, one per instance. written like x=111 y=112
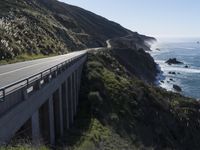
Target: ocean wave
x=166 y=67
x=168 y=87
x=189 y=48
x=179 y=69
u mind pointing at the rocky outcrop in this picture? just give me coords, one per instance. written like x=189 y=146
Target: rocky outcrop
x=137 y=62
x=172 y=72
x=177 y=88
x=186 y=66
x=132 y=42
x=173 y=61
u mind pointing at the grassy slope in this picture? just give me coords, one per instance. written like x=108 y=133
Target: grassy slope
x=125 y=113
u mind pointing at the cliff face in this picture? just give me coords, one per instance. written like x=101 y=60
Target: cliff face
x=132 y=41
x=126 y=113
x=138 y=63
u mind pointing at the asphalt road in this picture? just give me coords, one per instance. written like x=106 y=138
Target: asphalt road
x=18 y=71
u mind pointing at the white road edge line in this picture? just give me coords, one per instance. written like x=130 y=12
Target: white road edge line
x=28 y=67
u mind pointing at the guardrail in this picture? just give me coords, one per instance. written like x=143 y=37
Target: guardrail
x=43 y=78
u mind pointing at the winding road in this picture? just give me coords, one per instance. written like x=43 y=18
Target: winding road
x=12 y=73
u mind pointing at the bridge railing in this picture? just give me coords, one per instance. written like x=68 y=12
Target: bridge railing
x=35 y=82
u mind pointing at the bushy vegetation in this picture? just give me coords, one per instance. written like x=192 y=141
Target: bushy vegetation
x=123 y=112
x=24 y=147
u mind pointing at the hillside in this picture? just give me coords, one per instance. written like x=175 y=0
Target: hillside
x=126 y=113
x=119 y=111
x=33 y=27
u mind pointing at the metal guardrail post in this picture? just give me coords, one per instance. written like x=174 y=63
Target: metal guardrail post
x=3 y=95
x=56 y=71
x=25 y=94
x=27 y=83
x=41 y=75
x=50 y=75
x=63 y=66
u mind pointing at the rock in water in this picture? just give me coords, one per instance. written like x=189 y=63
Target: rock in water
x=177 y=88
x=173 y=61
x=158 y=49
x=186 y=66
x=172 y=72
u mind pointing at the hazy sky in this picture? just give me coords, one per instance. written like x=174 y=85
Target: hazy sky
x=160 y=18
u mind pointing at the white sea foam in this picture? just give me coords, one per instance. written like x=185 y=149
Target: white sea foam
x=179 y=69
x=190 y=48
x=166 y=67
x=167 y=86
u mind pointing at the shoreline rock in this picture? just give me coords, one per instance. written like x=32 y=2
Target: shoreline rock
x=173 y=61
x=186 y=66
x=177 y=88
x=172 y=72
x=158 y=49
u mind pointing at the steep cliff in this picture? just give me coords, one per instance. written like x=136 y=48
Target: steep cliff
x=126 y=113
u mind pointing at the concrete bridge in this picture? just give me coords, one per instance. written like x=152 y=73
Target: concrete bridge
x=41 y=96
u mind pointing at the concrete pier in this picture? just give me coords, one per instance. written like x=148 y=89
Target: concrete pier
x=35 y=128
x=51 y=122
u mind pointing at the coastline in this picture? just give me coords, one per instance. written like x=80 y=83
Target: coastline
x=162 y=79
x=176 y=74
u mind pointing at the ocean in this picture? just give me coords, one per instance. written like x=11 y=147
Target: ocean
x=186 y=51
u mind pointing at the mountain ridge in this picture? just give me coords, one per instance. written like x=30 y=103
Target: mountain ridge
x=52 y=27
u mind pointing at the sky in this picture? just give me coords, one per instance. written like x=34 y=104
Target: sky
x=158 y=18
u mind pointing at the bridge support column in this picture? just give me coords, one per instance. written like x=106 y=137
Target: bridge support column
x=79 y=79
x=70 y=100
x=67 y=103
x=77 y=92
x=77 y=86
x=65 y=106
x=35 y=127
x=58 y=113
x=51 y=121
x=74 y=92
x=61 y=111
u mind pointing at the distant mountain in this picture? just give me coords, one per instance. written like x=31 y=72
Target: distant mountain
x=50 y=26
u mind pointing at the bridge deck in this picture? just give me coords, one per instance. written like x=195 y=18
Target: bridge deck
x=14 y=72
